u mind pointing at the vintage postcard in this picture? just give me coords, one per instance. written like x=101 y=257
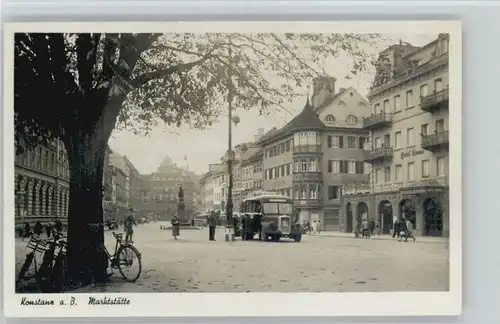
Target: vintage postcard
x=197 y=168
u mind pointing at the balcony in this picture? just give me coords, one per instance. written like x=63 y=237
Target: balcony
x=307 y=149
x=435 y=141
x=377 y=121
x=378 y=154
x=308 y=177
x=435 y=101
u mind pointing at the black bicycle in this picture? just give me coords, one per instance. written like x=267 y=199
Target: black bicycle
x=50 y=274
x=125 y=256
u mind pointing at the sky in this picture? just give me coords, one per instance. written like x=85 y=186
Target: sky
x=196 y=149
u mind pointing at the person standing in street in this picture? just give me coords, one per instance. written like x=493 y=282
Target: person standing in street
x=319 y=227
x=396 y=228
x=409 y=231
x=212 y=224
x=128 y=226
x=365 y=227
x=175 y=226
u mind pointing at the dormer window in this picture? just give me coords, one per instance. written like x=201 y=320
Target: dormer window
x=330 y=119
x=341 y=104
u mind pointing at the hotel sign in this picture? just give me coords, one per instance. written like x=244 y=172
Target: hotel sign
x=412 y=152
x=417 y=190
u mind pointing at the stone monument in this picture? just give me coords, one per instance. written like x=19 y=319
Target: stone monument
x=181 y=211
x=181 y=207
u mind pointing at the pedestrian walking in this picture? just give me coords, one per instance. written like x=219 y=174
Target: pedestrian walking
x=396 y=228
x=409 y=231
x=314 y=227
x=365 y=227
x=319 y=227
x=128 y=226
x=175 y=227
x=212 y=224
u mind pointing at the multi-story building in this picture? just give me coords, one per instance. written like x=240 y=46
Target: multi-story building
x=122 y=195
x=136 y=188
x=207 y=192
x=220 y=191
x=164 y=187
x=42 y=184
x=409 y=142
x=318 y=152
x=252 y=173
x=109 y=188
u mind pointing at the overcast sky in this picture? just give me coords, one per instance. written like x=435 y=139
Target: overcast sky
x=197 y=149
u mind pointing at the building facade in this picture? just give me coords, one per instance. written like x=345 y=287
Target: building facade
x=42 y=184
x=318 y=152
x=163 y=189
x=109 y=188
x=207 y=192
x=408 y=147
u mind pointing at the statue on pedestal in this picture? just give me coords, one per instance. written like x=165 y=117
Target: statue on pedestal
x=181 y=208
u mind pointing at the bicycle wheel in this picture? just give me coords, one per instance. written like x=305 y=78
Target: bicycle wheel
x=128 y=259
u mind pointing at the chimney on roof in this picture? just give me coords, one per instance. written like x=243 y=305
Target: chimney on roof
x=260 y=133
x=341 y=90
x=323 y=88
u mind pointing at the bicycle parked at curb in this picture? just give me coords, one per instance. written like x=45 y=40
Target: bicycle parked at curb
x=123 y=255
x=50 y=275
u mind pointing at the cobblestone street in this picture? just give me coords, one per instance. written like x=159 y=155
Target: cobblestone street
x=318 y=264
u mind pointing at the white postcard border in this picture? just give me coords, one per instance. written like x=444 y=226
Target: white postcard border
x=242 y=304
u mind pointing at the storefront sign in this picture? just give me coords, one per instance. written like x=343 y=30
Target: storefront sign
x=410 y=191
x=412 y=152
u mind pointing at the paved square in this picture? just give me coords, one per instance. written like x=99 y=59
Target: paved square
x=317 y=264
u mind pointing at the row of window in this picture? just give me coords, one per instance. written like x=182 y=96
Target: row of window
x=385 y=141
x=396 y=103
x=383 y=175
x=278 y=149
x=313 y=165
x=252 y=184
x=249 y=170
x=353 y=142
x=45 y=161
x=278 y=172
x=352 y=167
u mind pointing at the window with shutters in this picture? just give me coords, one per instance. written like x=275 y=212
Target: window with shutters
x=387 y=174
x=351 y=167
x=334 y=166
x=409 y=99
x=351 y=142
x=397 y=140
x=425 y=168
x=333 y=192
x=397 y=103
x=411 y=171
x=360 y=167
x=399 y=172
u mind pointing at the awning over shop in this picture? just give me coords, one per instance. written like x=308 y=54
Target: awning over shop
x=424 y=186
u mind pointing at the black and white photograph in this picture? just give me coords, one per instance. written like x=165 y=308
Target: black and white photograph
x=197 y=159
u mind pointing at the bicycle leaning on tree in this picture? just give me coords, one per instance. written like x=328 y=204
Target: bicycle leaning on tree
x=125 y=255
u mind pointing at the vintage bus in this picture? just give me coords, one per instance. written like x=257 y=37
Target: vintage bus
x=272 y=217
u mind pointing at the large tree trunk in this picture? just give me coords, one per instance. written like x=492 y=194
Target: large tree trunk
x=87 y=261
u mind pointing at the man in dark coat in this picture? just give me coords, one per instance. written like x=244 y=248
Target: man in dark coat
x=397 y=228
x=212 y=224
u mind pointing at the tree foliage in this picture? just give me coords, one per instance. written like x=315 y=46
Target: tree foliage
x=64 y=81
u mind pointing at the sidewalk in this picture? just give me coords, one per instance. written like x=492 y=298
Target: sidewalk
x=426 y=239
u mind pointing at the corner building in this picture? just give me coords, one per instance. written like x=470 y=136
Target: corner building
x=318 y=152
x=409 y=142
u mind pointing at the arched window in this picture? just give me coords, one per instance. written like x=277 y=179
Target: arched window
x=330 y=119
x=342 y=104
